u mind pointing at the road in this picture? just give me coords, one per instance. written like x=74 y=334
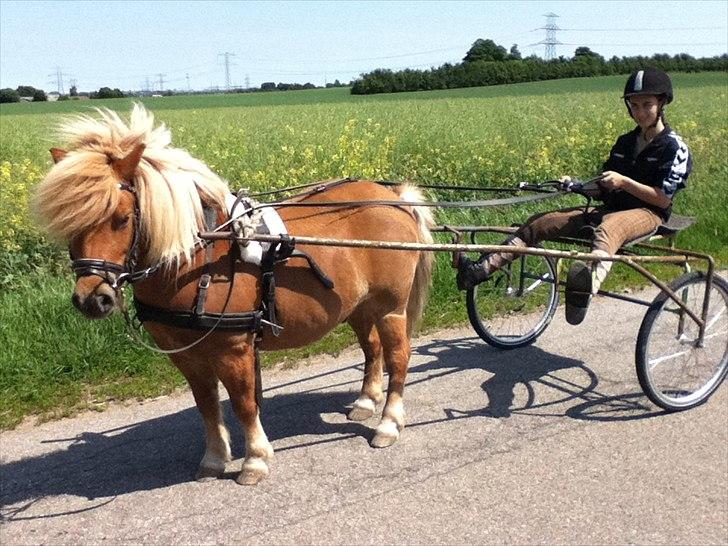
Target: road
x=554 y=443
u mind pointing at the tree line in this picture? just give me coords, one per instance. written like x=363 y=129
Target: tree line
x=27 y=92
x=487 y=63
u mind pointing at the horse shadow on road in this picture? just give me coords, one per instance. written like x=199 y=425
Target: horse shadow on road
x=165 y=451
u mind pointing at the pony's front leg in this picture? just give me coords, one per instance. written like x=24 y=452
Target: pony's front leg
x=395 y=341
x=237 y=373
x=203 y=383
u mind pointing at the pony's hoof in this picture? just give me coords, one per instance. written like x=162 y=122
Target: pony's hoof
x=249 y=478
x=363 y=409
x=205 y=474
x=359 y=414
x=387 y=433
x=254 y=470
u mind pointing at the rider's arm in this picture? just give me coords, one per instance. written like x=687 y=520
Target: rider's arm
x=667 y=178
x=612 y=180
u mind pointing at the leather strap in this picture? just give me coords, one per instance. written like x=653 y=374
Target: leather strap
x=242 y=322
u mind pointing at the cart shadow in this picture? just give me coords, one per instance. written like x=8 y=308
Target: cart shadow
x=535 y=371
x=165 y=451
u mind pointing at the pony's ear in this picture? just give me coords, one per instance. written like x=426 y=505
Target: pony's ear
x=126 y=166
x=58 y=154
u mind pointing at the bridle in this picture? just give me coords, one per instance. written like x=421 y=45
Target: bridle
x=114 y=274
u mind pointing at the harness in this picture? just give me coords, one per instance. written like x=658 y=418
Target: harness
x=116 y=275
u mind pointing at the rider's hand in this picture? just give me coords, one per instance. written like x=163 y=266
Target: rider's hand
x=612 y=180
x=565 y=182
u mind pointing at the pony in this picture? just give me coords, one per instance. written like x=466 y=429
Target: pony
x=130 y=208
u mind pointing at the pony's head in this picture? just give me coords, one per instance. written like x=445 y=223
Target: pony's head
x=122 y=199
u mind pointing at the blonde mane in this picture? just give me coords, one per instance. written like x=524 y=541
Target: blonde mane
x=82 y=190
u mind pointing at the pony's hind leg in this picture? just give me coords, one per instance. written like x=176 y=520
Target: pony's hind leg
x=237 y=373
x=371 y=389
x=396 y=344
x=204 y=389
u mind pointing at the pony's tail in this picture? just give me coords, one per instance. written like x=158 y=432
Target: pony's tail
x=423 y=274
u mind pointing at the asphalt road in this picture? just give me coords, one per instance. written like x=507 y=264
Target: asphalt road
x=554 y=443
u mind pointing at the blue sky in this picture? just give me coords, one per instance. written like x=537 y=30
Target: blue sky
x=127 y=43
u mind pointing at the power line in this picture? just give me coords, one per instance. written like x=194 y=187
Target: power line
x=357 y=59
x=614 y=44
x=640 y=29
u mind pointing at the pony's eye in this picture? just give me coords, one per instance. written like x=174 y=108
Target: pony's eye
x=122 y=222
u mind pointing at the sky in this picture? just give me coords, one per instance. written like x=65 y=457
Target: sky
x=182 y=44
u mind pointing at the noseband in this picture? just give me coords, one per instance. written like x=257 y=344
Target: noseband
x=115 y=275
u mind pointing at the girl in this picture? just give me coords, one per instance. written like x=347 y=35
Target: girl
x=644 y=171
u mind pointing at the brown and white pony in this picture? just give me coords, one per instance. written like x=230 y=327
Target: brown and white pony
x=113 y=171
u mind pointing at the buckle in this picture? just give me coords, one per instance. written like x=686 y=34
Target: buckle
x=204 y=281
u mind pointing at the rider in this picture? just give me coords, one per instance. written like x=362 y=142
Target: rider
x=645 y=169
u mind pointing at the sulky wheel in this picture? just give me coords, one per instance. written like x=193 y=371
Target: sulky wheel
x=675 y=371
x=515 y=304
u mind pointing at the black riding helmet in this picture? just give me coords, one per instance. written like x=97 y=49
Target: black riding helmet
x=650 y=81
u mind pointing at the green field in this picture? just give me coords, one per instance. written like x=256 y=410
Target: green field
x=53 y=361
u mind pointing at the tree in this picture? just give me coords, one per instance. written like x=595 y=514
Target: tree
x=485 y=50
x=584 y=51
x=107 y=93
x=26 y=90
x=514 y=53
x=9 y=95
x=39 y=96
x=268 y=86
x=73 y=91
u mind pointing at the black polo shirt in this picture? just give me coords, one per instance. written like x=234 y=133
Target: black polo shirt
x=664 y=163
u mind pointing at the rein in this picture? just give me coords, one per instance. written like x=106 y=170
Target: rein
x=400 y=203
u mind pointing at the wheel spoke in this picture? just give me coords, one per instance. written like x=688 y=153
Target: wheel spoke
x=655 y=361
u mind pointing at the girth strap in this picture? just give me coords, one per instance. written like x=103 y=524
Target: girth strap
x=250 y=321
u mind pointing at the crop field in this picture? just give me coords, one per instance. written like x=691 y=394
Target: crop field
x=52 y=361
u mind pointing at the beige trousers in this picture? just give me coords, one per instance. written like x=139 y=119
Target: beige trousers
x=612 y=229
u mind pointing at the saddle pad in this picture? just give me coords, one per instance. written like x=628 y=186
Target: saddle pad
x=266 y=221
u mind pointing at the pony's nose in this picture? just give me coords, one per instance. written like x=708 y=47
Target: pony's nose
x=104 y=303
x=94 y=305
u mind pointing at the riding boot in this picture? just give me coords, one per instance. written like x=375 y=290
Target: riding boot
x=582 y=282
x=471 y=273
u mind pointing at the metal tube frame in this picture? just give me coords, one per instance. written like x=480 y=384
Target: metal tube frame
x=677 y=256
